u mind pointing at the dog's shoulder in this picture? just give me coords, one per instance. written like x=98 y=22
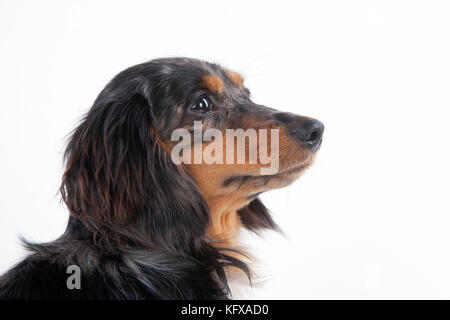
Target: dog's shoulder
x=51 y=272
x=61 y=270
x=32 y=278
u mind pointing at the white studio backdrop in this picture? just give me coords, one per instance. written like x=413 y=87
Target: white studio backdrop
x=370 y=219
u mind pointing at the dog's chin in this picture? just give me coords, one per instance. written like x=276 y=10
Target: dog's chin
x=283 y=178
x=294 y=170
x=288 y=175
x=255 y=183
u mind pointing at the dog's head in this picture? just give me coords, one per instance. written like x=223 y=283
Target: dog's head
x=160 y=150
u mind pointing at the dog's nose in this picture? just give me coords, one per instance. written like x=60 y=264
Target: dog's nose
x=309 y=133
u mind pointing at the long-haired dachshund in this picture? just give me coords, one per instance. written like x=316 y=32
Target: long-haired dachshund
x=141 y=225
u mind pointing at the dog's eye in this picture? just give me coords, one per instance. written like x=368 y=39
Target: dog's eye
x=203 y=105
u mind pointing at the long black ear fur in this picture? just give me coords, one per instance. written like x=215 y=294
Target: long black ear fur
x=123 y=185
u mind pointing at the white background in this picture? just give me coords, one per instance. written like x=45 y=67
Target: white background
x=369 y=220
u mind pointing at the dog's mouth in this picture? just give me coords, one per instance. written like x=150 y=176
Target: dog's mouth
x=282 y=178
x=295 y=169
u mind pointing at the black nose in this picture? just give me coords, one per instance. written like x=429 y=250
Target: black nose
x=309 y=133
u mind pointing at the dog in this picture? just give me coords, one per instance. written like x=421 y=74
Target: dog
x=142 y=226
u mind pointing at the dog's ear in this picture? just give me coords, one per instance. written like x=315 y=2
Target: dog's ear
x=255 y=217
x=121 y=182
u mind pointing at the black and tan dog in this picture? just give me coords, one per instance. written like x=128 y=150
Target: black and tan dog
x=142 y=226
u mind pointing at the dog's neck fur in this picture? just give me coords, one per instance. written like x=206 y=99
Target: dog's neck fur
x=225 y=221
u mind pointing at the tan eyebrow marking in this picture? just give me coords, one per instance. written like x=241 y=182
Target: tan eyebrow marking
x=213 y=83
x=235 y=77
